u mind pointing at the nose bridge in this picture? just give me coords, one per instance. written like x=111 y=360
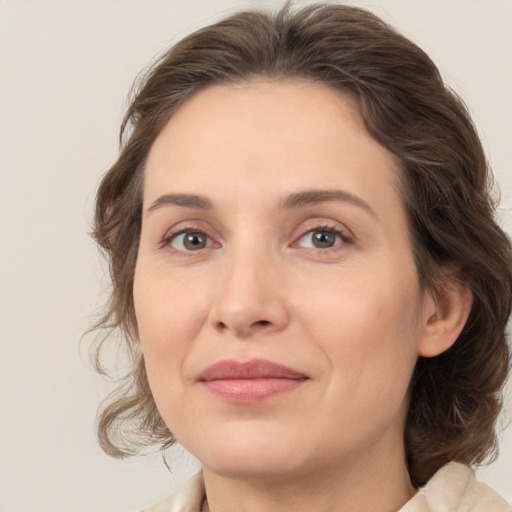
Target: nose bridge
x=249 y=295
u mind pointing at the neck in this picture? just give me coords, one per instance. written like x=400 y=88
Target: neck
x=355 y=486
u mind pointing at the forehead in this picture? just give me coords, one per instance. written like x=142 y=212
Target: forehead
x=269 y=137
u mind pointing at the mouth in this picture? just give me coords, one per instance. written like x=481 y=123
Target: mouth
x=249 y=382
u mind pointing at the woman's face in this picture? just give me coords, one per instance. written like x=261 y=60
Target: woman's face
x=276 y=295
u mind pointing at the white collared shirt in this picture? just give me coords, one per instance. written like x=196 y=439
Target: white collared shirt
x=454 y=488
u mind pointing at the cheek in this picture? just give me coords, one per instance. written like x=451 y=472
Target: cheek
x=367 y=324
x=362 y=301
x=169 y=315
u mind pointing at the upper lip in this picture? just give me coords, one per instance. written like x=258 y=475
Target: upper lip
x=254 y=369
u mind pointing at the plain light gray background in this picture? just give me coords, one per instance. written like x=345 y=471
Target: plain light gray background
x=65 y=69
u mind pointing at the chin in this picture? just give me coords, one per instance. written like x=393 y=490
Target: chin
x=250 y=466
x=247 y=455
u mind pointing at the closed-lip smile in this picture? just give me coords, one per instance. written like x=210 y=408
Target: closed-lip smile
x=250 y=381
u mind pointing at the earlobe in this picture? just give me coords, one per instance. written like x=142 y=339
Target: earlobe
x=445 y=317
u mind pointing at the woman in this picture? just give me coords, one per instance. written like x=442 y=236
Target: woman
x=307 y=271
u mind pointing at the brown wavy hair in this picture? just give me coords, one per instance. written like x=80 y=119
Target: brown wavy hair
x=455 y=398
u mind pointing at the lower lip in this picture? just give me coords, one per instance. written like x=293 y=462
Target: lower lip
x=247 y=391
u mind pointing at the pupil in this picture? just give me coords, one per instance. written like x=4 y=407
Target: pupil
x=324 y=239
x=194 y=241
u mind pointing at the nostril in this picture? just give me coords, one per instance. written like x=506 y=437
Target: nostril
x=262 y=322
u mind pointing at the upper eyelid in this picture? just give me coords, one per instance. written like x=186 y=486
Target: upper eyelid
x=325 y=224
x=188 y=225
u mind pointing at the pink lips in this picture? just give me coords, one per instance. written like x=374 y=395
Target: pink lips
x=252 y=381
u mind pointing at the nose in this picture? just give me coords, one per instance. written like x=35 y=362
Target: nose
x=250 y=299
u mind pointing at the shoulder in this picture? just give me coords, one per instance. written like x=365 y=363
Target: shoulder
x=188 y=498
x=455 y=487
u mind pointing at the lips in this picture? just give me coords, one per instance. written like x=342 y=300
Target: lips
x=248 y=382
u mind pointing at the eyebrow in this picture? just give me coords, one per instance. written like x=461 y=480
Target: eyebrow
x=290 y=202
x=184 y=200
x=310 y=197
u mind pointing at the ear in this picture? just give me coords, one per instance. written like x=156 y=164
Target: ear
x=445 y=315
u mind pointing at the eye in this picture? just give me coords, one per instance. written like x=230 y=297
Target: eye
x=322 y=238
x=189 y=241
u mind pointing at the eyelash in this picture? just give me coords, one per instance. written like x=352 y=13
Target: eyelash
x=345 y=238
